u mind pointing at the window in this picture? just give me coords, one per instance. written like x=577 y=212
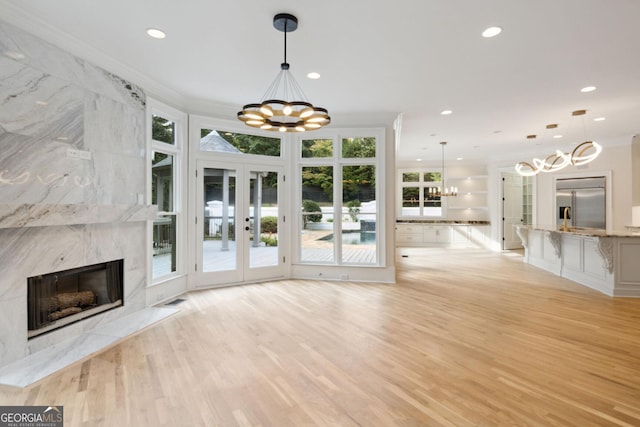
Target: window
x=166 y=155
x=419 y=194
x=339 y=208
x=239 y=143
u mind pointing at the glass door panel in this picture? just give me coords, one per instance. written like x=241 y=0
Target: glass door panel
x=263 y=219
x=219 y=226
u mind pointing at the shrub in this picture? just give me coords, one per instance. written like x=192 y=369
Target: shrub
x=269 y=241
x=269 y=224
x=313 y=211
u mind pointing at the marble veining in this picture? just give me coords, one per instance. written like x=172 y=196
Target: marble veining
x=39 y=365
x=59 y=210
x=46 y=215
x=591 y=232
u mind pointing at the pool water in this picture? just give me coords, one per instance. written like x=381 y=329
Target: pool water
x=353 y=238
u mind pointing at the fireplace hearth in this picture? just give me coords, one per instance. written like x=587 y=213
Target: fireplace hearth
x=60 y=298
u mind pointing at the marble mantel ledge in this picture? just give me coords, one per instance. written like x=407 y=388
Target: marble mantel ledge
x=47 y=215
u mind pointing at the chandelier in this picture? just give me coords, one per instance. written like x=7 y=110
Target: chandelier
x=284 y=107
x=438 y=192
x=582 y=154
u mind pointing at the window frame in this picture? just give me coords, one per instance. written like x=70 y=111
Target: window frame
x=421 y=185
x=177 y=150
x=337 y=161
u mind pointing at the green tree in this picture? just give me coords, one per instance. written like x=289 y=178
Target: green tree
x=319 y=177
x=317 y=148
x=162 y=129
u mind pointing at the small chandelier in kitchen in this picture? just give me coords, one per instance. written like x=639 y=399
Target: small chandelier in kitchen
x=447 y=192
x=284 y=107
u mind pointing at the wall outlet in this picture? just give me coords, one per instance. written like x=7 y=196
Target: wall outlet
x=78 y=154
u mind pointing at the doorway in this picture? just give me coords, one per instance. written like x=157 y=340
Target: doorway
x=517 y=201
x=239 y=226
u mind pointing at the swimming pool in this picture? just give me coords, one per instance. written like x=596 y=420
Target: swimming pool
x=353 y=238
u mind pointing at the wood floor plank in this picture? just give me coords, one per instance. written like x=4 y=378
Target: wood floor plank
x=465 y=338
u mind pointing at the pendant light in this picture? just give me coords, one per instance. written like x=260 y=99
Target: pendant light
x=284 y=107
x=445 y=192
x=582 y=154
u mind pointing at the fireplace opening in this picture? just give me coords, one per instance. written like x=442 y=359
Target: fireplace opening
x=63 y=297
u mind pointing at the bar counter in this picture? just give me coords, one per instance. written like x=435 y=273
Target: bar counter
x=605 y=261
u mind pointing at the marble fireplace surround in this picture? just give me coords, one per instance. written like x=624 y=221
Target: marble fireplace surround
x=73 y=173
x=77 y=231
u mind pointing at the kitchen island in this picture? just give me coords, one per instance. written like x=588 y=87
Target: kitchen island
x=607 y=262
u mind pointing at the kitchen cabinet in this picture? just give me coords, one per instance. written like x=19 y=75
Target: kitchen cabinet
x=443 y=234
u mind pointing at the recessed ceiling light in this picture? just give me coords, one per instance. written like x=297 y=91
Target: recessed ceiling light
x=599 y=119
x=155 y=33
x=418 y=160
x=460 y=158
x=588 y=89
x=491 y=32
x=43 y=103
x=314 y=75
x=446 y=112
x=557 y=136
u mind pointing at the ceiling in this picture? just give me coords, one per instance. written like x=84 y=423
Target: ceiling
x=415 y=57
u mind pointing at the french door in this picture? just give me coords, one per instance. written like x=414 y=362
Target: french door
x=239 y=225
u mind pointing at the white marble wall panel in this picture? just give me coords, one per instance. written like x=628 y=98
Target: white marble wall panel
x=33 y=171
x=26 y=252
x=36 y=104
x=114 y=127
x=41 y=55
x=118 y=180
x=35 y=52
x=51 y=102
x=13 y=340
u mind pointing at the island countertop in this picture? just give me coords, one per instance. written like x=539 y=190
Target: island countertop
x=605 y=261
x=582 y=231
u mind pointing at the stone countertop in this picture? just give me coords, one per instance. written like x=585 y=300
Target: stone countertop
x=441 y=221
x=589 y=232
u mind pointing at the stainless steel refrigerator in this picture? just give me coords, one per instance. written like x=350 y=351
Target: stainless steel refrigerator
x=585 y=198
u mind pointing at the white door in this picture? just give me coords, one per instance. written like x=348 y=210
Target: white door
x=511 y=210
x=239 y=225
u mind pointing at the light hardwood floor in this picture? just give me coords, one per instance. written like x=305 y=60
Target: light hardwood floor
x=465 y=338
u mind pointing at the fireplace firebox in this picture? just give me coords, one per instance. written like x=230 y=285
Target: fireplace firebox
x=61 y=298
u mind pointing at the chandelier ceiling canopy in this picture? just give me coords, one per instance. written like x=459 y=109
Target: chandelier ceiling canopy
x=284 y=107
